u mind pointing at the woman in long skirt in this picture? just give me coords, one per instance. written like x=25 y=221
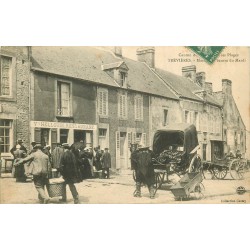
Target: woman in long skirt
x=19 y=170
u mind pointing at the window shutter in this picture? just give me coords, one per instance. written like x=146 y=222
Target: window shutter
x=117 y=149
x=53 y=138
x=133 y=137
x=129 y=139
x=144 y=139
x=100 y=102
x=37 y=135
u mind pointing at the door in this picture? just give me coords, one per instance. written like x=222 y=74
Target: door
x=123 y=150
x=79 y=136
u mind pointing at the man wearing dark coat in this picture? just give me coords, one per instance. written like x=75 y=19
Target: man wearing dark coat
x=20 y=143
x=70 y=170
x=106 y=163
x=141 y=161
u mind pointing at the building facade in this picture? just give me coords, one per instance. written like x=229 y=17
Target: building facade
x=96 y=96
x=14 y=97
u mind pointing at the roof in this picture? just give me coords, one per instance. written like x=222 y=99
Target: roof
x=87 y=63
x=141 y=78
x=184 y=87
x=77 y=62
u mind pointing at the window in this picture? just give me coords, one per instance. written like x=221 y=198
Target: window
x=122 y=106
x=165 y=117
x=63 y=99
x=64 y=135
x=5 y=130
x=103 y=102
x=5 y=75
x=139 y=108
x=44 y=136
x=122 y=78
x=138 y=138
x=102 y=132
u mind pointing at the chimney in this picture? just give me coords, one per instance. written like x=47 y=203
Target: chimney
x=189 y=72
x=117 y=51
x=227 y=86
x=209 y=87
x=147 y=55
x=201 y=78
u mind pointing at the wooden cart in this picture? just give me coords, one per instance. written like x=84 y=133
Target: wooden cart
x=175 y=148
x=220 y=164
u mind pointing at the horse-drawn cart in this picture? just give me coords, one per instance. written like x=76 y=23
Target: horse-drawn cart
x=175 y=149
x=220 y=164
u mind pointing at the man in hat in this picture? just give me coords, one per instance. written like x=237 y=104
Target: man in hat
x=40 y=169
x=32 y=147
x=106 y=163
x=141 y=162
x=19 y=142
x=70 y=170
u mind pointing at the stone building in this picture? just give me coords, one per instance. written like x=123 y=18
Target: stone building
x=234 y=129
x=95 y=96
x=14 y=97
x=196 y=103
x=99 y=97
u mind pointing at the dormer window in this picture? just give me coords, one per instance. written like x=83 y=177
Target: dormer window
x=118 y=71
x=122 y=79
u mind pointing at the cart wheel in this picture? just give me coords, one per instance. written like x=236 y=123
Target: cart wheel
x=199 y=191
x=195 y=164
x=207 y=171
x=237 y=169
x=219 y=172
x=159 y=178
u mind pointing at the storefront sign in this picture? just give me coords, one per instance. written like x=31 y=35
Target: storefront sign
x=44 y=124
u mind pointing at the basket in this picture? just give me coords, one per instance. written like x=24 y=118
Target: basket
x=56 y=189
x=186 y=185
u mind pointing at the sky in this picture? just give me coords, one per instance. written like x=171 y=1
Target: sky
x=232 y=64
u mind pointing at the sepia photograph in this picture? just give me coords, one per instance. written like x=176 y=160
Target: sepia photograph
x=124 y=124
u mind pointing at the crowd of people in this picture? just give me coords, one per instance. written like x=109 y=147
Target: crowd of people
x=74 y=163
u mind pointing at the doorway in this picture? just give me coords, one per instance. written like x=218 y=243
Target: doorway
x=123 y=150
x=79 y=136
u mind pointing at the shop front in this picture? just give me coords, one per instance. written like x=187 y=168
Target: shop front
x=51 y=133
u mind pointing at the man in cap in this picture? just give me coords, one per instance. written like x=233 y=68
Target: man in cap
x=106 y=163
x=40 y=169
